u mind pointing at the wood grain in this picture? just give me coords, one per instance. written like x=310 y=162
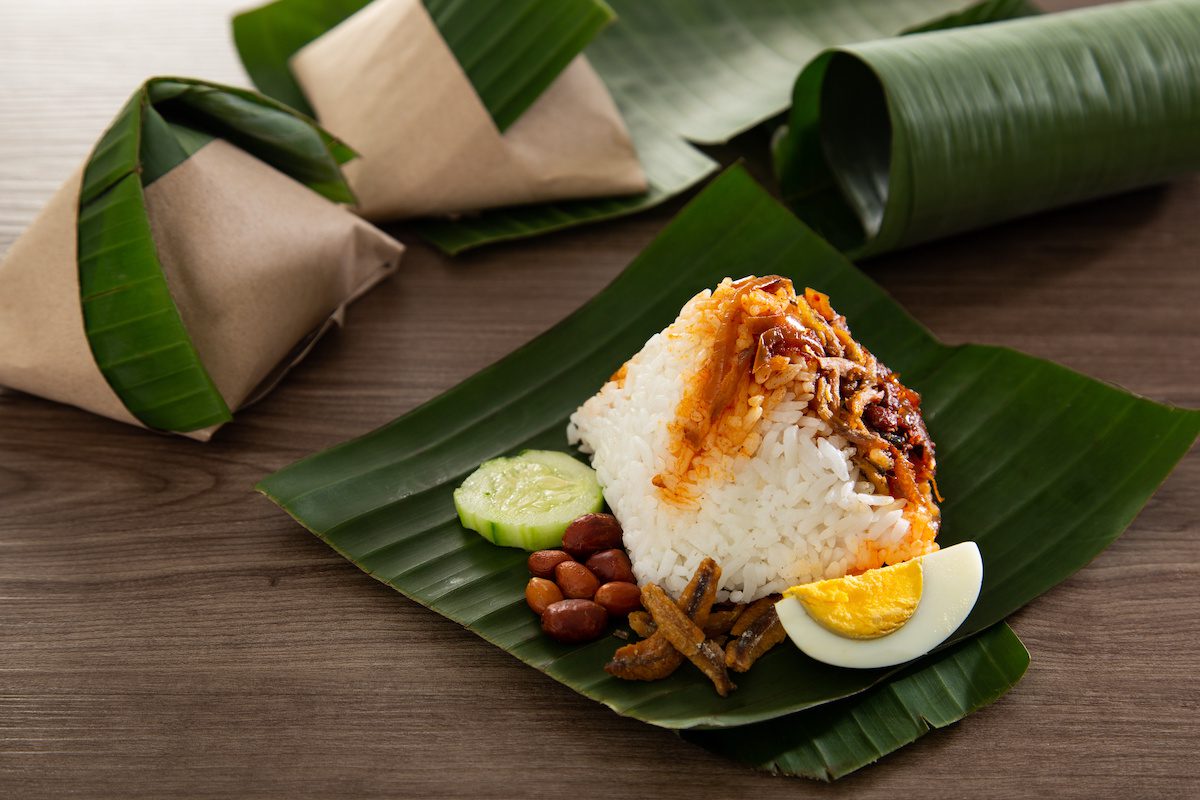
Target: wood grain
x=165 y=631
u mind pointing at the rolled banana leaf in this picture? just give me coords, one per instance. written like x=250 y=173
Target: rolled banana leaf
x=900 y=141
x=1012 y=432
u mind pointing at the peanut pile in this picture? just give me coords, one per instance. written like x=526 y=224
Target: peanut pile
x=577 y=589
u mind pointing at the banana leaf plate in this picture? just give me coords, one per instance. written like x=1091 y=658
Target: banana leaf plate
x=1041 y=466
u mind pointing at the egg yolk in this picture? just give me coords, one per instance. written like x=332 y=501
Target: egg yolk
x=864 y=606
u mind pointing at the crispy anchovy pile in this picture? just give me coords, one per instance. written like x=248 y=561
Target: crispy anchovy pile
x=654 y=658
x=716 y=637
x=687 y=637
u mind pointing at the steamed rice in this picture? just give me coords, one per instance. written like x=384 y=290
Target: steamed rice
x=787 y=506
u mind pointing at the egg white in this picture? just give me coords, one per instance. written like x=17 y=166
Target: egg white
x=951 y=579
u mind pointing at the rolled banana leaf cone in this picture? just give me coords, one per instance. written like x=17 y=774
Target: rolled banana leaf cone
x=526 y=120
x=899 y=141
x=192 y=260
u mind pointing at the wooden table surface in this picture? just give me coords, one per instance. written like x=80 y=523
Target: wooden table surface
x=166 y=631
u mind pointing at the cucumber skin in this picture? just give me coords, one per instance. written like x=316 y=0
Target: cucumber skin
x=526 y=537
x=473 y=522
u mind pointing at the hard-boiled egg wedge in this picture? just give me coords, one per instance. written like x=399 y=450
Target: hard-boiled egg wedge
x=884 y=616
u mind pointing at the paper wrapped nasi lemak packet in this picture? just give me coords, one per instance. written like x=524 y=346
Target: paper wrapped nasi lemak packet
x=189 y=262
x=387 y=81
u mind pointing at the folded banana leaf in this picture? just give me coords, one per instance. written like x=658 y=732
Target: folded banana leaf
x=1012 y=432
x=132 y=323
x=438 y=86
x=541 y=38
x=511 y=50
x=680 y=71
x=899 y=141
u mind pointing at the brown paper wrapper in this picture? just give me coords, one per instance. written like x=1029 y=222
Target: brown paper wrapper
x=258 y=265
x=386 y=82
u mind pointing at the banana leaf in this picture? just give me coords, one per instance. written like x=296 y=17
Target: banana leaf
x=685 y=71
x=511 y=50
x=132 y=324
x=1013 y=433
x=833 y=740
x=899 y=141
x=513 y=56
x=681 y=71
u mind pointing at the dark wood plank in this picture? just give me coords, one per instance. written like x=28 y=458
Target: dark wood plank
x=164 y=630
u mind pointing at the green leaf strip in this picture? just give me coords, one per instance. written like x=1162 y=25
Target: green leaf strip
x=900 y=141
x=133 y=326
x=265 y=128
x=512 y=50
x=268 y=36
x=1041 y=466
x=833 y=740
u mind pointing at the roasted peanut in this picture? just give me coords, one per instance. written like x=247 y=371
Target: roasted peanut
x=543 y=562
x=540 y=593
x=611 y=565
x=574 y=621
x=576 y=580
x=592 y=533
x=619 y=597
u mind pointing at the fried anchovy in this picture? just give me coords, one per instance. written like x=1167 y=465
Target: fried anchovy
x=873 y=474
x=642 y=624
x=721 y=619
x=755 y=639
x=752 y=612
x=700 y=592
x=648 y=660
x=654 y=657
x=687 y=637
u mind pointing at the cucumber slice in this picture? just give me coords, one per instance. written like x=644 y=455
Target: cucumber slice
x=527 y=501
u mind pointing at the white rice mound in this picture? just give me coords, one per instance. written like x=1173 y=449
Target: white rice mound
x=794 y=512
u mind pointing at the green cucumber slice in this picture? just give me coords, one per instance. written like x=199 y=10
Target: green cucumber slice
x=527 y=501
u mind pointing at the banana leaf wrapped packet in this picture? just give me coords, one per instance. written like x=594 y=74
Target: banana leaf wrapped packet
x=195 y=257
x=528 y=121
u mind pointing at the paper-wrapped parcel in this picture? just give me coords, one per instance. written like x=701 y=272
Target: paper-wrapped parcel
x=386 y=81
x=194 y=257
